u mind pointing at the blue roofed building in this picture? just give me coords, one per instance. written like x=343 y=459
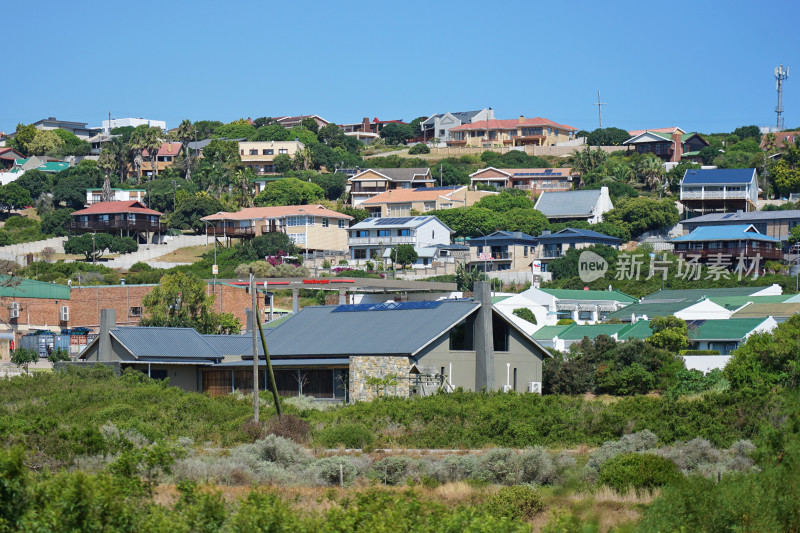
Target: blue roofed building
x=775 y=224
x=719 y=190
x=713 y=243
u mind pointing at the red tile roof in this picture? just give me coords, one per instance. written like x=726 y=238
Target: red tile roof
x=634 y=133
x=254 y=213
x=166 y=149
x=511 y=124
x=7 y=152
x=782 y=138
x=109 y=208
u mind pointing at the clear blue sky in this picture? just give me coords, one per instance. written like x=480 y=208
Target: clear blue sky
x=702 y=65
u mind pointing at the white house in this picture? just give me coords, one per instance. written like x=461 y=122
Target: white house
x=373 y=237
x=567 y=206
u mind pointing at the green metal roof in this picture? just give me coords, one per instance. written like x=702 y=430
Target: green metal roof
x=574 y=294
x=577 y=332
x=637 y=330
x=735 y=302
x=548 y=332
x=730 y=329
x=698 y=294
x=28 y=288
x=651 y=309
x=53 y=166
x=497 y=299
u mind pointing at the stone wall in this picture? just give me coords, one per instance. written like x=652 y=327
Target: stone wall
x=362 y=368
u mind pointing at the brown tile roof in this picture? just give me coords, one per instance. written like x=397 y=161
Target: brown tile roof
x=255 y=213
x=109 y=208
x=427 y=194
x=166 y=149
x=510 y=124
x=634 y=133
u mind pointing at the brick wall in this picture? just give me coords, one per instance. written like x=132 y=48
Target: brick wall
x=364 y=367
x=85 y=304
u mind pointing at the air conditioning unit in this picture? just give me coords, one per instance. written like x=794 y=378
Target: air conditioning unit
x=507 y=388
x=14 y=310
x=64 y=313
x=535 y=387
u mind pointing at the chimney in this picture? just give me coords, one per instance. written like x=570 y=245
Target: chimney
x=390 y=193
x=677 y=150
x=484 y=339
x=248 y=321
x=108 y=320
x=521 y=119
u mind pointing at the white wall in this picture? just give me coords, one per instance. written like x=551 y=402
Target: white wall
x=704 y=310
x=705 y=363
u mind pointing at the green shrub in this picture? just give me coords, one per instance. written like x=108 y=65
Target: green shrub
x=698 y=352
x=347 y=435
x=391 y=470
x=642 y=472
x=517 y=502
x=328 y=469
x=525 y=314
x=419 y=148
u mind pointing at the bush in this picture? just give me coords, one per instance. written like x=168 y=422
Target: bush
x=698 y=352
x=538 y=466
x=525 y=314
x=391 y=470
x=518 y=502
x=501 y=465
x=635 y=442
x=347 y=435
x=327 y=470
x=642 y=472
x=289 y=427
x=420 y=148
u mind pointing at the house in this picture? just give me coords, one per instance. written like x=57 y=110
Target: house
x=365 y=126
x=562 y=337
x=371 y=182
x=669 y=144
x=583 y=306
x=108 y=125
x=8 y=157
x=502 y=250
x=514 y=132
x=775 y=224
x=131 y=218
x=586 y=204
x=535 y=180
x=780 y=311
x=723 y=336
x=552 y=246
x=310 y=227
x=691 y=304
x=164 y=158
x=80 y=129
x=418 y=348
x=98 y=141
x=438 y=126
x=370 y=238
x=260 y=155
x=291 y=122
x=42 y=163
x=120 y=195
x=783 y=139
x=719 y=190
x=730 y=245
x=400 y=202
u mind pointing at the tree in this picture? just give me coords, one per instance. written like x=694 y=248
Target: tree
x=23 y=137
x=90 y=245
x=794 y=235
x=22 y=357
x=419 y=148
x=107 y=164
x=767 y=359
x=785 y=178
x=289 y=191
x=71 y=184
x=416 y=126
x=334 y=185
x=73 y=145
x=36 y=182
x=404 y=254
x=205 y=128
x=707 y=154
x=310 y=124
x=260 y=122
x=305 y=136
x=588 y=160
x=181 y=300
x=269 y=244
x=748 y=132
x=283 y=163
x=607 y=137
x=54 y=222
x=396 y=133
x=45 y=141
x=271 y=132
x=466 y=278
x=649 y=170
x=525 y=314
x=238 y=129
x=188 y=213
x=151 y=142
x=669 y=333
x=136 y=145
x=643 y=214
x=57 y=355
x=14 y=196
x=186 y=132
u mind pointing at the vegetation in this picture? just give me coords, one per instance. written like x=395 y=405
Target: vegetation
x=94 y=245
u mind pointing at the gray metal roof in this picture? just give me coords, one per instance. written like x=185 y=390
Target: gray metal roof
x=248 y=363
x=568 y=203
x=394 y=222
x=403 y=174
x=229 y=344
x=733 y=218
x=365 y=330
x=165 y=342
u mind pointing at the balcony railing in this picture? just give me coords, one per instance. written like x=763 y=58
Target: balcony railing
x=714 y=195
x=104 y=225
x=226 y=231
x=370 y=190
x=494 y=256
x=381 y=240
x=731 y=254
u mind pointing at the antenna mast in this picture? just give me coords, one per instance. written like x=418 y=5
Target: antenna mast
x=600 y=105
x=780 y=76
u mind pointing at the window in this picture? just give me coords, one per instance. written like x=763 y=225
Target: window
x=342 y=224
x=156 y=373
x=325 y=222
x=584 y=315
x=500 y=334
x=515 y=379
x=283 y=150
x=404 y=233
x=359 y=254
x=429 y=206
x=461 y=336
x=267 y=151
x=362 y=233
x=384 y=233
x=132 y=217
x=526 y=250
x=297 y=238
x=253 y=151
x=135 y=311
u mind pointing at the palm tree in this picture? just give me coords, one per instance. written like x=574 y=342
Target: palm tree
x=152 y=143
x=186 y=130
x=650 y=170
x=107 y=163
x=119 y=152
x=136 y=145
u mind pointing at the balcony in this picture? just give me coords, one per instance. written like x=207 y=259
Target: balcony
x=733 y=253
x=388 y=241
x=714 y=195
x=493 y=256
x=122 y=225
x=226 y=231
x=367 y=190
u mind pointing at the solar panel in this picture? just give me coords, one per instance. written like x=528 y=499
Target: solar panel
x=392 y=221
x=442 y=188
x=729 y=215
x=546 y=173
x=386 y=306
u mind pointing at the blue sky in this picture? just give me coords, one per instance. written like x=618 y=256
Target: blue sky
x=702 y=65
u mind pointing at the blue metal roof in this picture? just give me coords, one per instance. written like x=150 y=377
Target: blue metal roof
x=718 y=176
x=503 y=237
x=568 y=234
x=725 y=233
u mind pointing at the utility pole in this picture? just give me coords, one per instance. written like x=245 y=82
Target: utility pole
x=600 y=105
x=254 y=325
x=440 y=174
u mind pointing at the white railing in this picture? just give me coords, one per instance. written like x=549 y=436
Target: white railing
x=713 y=195
x=388 y=241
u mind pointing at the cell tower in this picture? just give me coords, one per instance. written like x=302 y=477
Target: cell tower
x=780 y=76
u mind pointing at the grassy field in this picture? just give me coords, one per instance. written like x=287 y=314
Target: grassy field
x=189 y=254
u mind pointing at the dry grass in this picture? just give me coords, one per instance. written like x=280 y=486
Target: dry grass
x=189 y=254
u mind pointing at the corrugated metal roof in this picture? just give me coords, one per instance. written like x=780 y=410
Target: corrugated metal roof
x=326 y=361
x=165 y=342
x=763 y=310
x=721 y=330
x=546 y=333
x=725 y=233
x=395 y=222
x=718 y=176
x=651 y=309
x=637 y=330
x=576 y=294
x=578 y=331
x=749 y=217
x=698 y=294
x=27 y=288
x=577 y=234
x=229 y=344
x=568 y=203
x=316 y=331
